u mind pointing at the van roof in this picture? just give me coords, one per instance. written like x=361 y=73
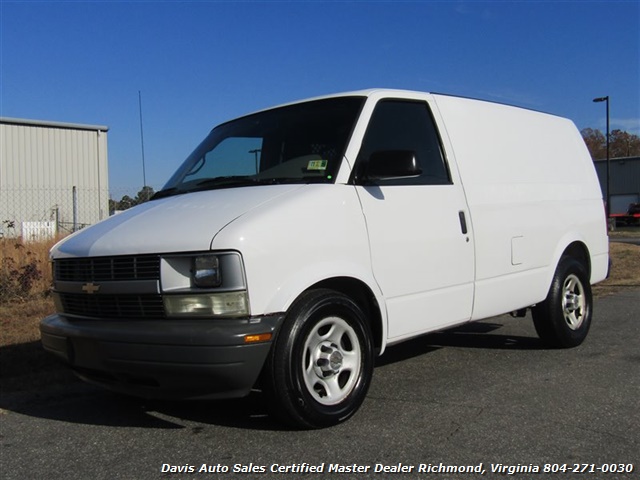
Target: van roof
x=368 y=92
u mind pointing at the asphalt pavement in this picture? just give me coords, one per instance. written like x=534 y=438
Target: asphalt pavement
x=484 y=401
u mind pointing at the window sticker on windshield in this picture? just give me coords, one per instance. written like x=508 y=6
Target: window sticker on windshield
x=317 y=164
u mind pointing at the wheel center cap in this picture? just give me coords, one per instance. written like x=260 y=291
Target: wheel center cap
x=329 y=359
x=572 y=301
x=335 y=360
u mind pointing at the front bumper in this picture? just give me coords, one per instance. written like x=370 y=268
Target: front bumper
x=162 y=358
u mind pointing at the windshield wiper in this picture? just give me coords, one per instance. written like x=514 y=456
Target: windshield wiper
x=227 y=180
x=167 y=192
x=232 y=181
x=240 y=181
x=206 y=184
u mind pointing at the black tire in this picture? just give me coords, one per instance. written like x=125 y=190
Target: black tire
x=564 y=318
x=320 y=366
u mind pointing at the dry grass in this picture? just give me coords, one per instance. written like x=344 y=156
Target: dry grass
x=24 y=270
x=25 y=279
x=625 y=270
x=23 y=363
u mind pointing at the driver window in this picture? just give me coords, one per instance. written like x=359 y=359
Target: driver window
x=406 y=125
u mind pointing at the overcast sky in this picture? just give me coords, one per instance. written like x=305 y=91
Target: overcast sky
x=198 y=63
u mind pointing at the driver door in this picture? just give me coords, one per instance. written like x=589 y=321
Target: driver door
x=422 y=251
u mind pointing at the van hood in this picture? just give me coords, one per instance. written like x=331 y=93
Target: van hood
x=181 y=223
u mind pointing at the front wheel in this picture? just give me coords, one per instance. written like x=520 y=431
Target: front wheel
x=321 y=363
x=564 y=318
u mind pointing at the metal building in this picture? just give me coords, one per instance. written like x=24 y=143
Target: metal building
x=624 y=181
x=53 y=177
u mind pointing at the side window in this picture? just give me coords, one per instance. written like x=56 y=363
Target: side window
x=406 y=125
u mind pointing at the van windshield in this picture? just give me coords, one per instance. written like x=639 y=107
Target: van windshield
x=300 y=143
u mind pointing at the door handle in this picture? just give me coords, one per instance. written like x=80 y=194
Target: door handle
x=463 y=222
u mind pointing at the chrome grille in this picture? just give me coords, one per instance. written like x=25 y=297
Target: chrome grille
x=105 y=269
x=131 y=307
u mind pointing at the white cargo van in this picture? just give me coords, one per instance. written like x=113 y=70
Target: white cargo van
x=295 y=244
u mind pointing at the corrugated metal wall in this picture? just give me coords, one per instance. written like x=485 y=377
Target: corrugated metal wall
x=41 y=163
x=624 y=181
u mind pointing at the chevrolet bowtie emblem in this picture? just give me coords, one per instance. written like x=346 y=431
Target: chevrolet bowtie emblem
x=90 y=288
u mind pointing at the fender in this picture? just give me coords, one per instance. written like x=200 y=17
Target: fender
x=328 y=274
x=326 y=238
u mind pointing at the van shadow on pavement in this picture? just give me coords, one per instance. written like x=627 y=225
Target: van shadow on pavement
x=56 y=394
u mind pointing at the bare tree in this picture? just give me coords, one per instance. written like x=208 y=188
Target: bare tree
x=621 y=144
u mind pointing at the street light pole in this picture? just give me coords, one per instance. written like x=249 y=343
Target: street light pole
x=608 y=197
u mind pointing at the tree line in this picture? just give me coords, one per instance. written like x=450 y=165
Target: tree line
x=127 y=202
x=621 y=144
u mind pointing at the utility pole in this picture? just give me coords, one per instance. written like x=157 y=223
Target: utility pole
x=144 y=174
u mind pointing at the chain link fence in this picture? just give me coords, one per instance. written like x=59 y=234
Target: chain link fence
x=40 y=213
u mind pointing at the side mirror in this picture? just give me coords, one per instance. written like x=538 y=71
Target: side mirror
x=392 y=164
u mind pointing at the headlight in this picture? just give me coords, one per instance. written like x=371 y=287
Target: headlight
x=230 y=304
x=206 y=271
x=204 y=284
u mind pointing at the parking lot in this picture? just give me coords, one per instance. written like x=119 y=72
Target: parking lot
x=485 y=397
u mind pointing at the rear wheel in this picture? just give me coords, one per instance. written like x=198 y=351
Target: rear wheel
x=564 y=318
x=321 y=363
